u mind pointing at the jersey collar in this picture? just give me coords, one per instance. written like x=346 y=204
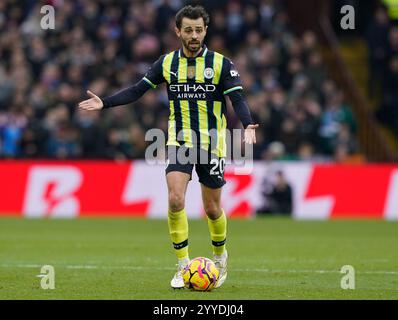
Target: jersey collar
x=201 y=54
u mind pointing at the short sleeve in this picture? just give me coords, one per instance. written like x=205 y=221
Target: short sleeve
x=154 y=76
x=230 y=77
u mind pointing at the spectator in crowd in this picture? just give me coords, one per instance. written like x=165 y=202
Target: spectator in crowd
x=63 y=144
x=382 y=38
x=392 y=48
x=335 y=115
x=388 y=111
x=278 y=196
x=377 y=40
x=12 y=126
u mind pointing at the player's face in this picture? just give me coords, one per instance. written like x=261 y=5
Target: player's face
x=192 y=34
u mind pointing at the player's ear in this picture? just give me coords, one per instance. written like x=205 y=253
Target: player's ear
x=177 y=31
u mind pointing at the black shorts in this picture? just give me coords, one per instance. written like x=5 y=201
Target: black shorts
x=209 y=167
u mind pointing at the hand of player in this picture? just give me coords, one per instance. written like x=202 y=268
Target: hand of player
x=94 y=103
x=250 y=134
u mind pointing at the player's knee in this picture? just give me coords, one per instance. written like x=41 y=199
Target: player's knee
x=176 y=202
x=212 y=209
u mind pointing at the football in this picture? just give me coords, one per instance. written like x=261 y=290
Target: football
x=201 y=274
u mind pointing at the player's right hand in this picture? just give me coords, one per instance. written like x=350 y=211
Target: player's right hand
x=94 y=103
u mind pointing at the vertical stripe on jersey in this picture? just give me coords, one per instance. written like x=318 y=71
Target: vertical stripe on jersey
x=172 y=73
x=186 y=122
x=182 y=70
x=178 y=120
x=166 y=66
x=174 y=67
x=220 y=127
x=204 y=139
x=193 y=107
x=200 y=70
x=172 y=139
x=223 y=151
x=195 y=125
x=211 y=125
x=217 y=67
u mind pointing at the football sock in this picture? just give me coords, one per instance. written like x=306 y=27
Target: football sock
x=218 y=233
x=178 y=228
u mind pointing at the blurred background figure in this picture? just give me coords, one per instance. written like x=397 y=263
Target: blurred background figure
x=277 y=195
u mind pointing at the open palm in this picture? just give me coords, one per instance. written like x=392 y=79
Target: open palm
x=250 y=134
x=94 y=103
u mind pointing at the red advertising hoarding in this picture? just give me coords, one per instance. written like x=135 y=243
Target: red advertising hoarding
x=102 y=188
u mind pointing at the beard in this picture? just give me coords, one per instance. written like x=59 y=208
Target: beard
x=192 y=46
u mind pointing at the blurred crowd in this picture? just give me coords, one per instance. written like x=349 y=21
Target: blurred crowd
x=107 y=45
x=382 y=39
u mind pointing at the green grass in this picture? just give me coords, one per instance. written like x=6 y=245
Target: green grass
x=270 y=258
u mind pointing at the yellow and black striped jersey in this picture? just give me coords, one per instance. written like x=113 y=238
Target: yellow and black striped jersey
x=196 y=90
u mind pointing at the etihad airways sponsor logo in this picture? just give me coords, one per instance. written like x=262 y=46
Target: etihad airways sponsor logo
x=192 y=91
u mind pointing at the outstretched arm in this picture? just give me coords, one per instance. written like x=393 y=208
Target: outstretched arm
x=242 y=111
x=233 y=89
x=152 y=78
x=122 y=97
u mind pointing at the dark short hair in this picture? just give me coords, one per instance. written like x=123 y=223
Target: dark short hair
x=193 y=13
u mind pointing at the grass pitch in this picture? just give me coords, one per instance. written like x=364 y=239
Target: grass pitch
x=270 y=258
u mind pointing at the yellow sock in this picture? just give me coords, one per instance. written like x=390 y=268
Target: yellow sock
x=218 y=233
x=178 y=228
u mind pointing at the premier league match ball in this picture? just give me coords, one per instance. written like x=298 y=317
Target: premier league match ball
x=201 y=274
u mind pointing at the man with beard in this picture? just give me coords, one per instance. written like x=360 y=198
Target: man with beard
x=197 y=81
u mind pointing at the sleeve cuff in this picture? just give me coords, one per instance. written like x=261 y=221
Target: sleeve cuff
x=233 y=89
x=105 y=103
x=245 y=125
x=149 y=82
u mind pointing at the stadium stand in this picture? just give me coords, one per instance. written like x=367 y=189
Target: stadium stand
x=108 y=45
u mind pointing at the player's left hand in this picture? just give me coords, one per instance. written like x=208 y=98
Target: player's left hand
x=250 y=134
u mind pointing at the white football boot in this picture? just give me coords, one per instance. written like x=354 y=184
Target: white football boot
x=221 y=264
x=177 y=282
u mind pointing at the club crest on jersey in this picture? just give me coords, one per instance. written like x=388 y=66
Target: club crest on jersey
x=191 y=72
x=209 y=73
